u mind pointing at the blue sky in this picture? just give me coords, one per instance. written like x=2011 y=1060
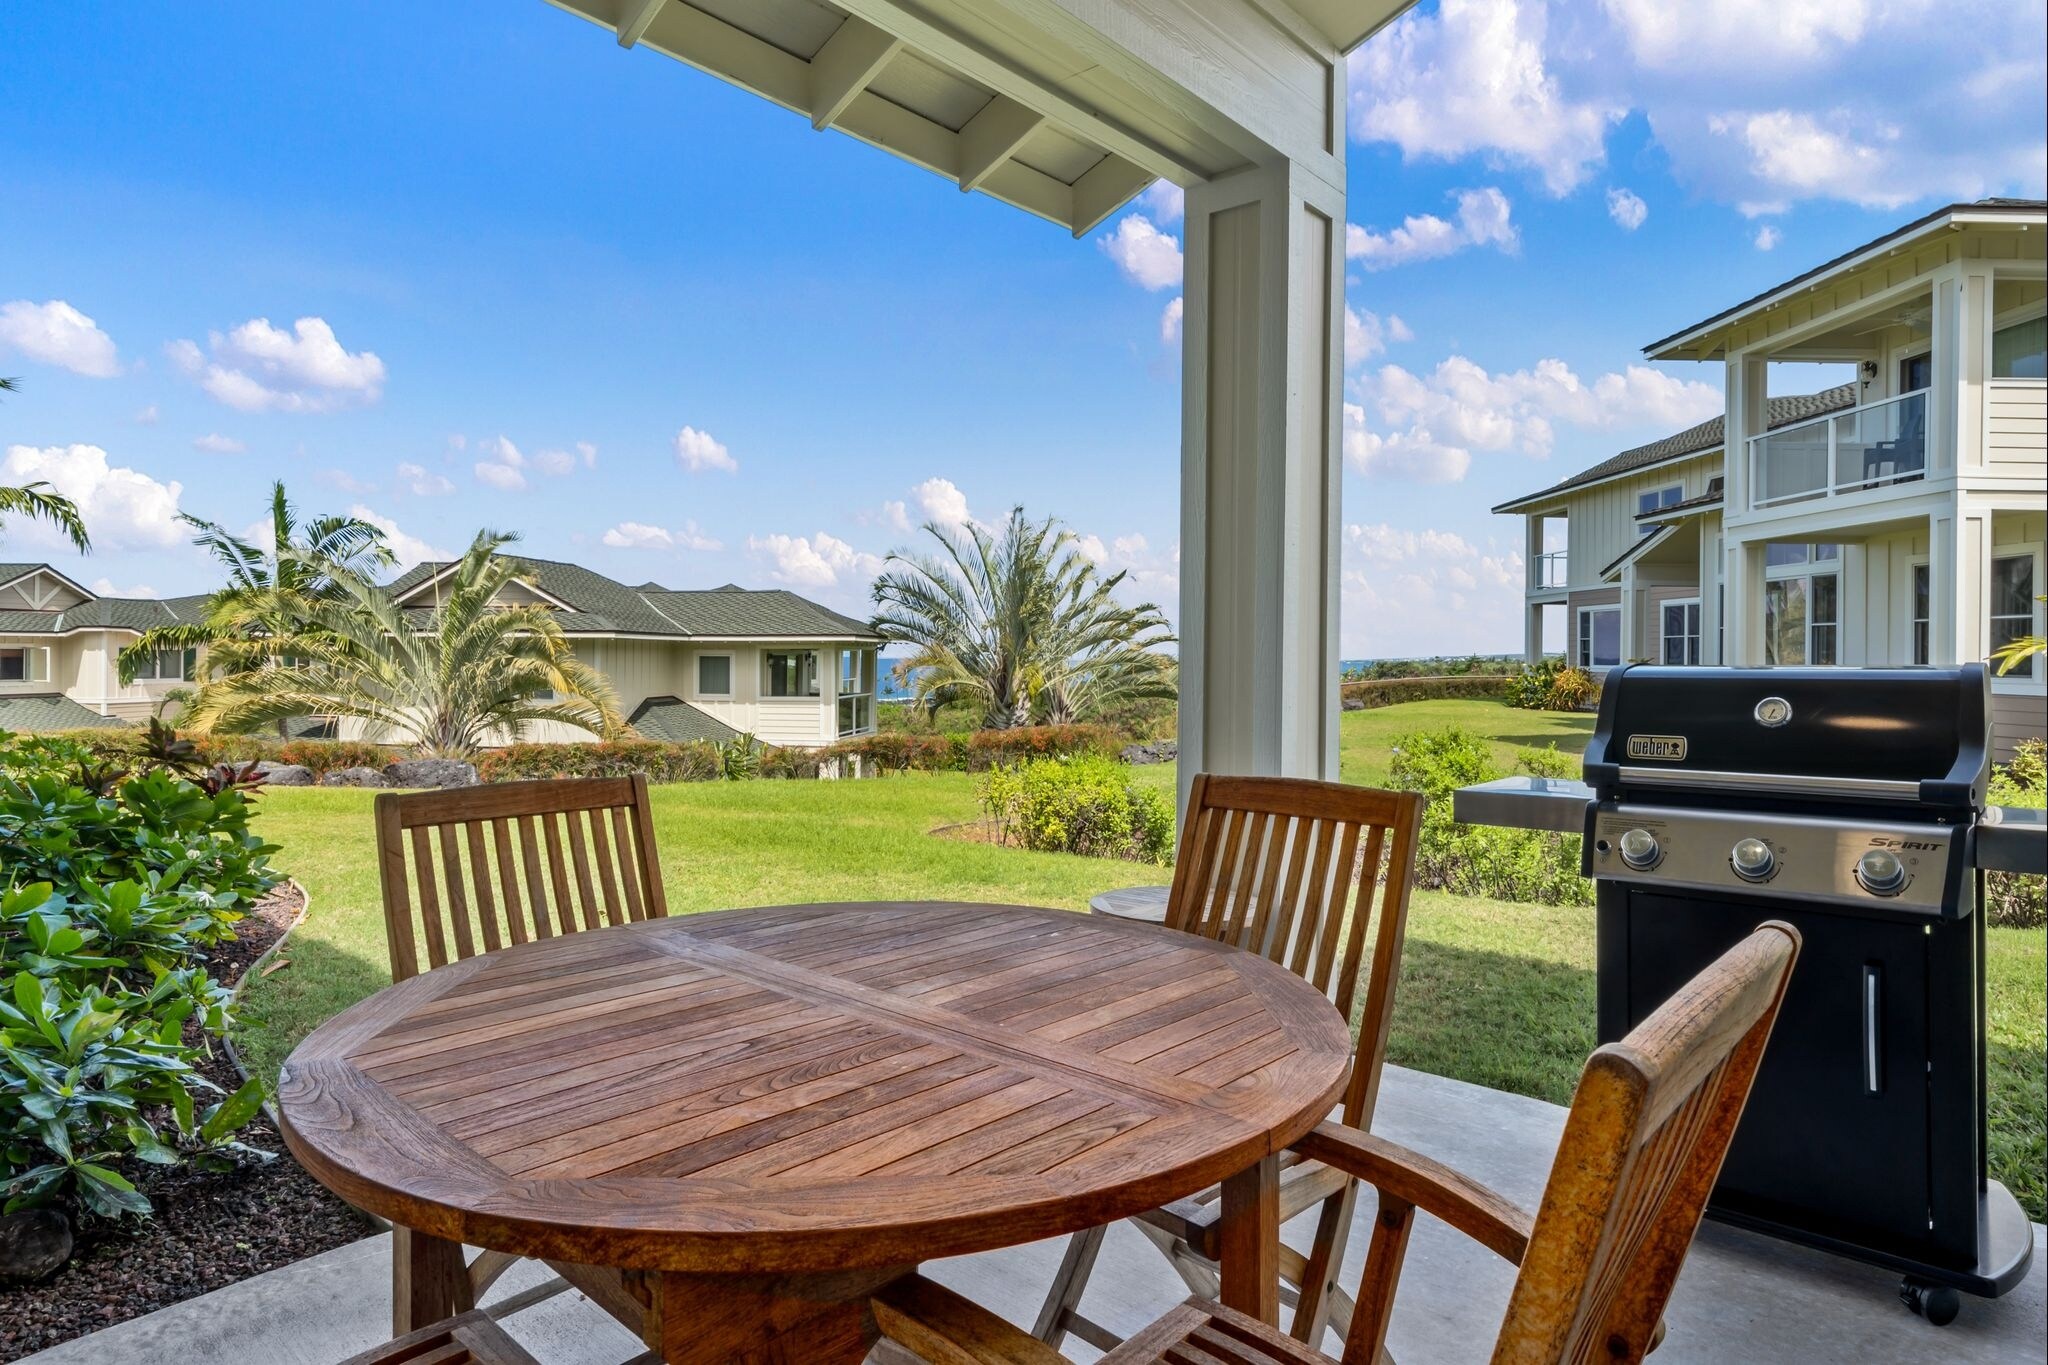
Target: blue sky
x=469 y=264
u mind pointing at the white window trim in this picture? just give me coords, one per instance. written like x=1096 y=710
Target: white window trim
x=1700 y=625
x=2015 y=682
x=1913 y=565
x=732 y=675
x=37 y=663
x=1644 y=528
x=768 y=698
x=1579 y=633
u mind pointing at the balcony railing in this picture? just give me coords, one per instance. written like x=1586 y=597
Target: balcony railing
x=1872 y=446
x=1550 y=570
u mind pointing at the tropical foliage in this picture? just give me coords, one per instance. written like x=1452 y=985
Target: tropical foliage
x=117 y=885
x=1086 y=804
x=1021 y=623
x=39 y=502
x=442 y=681
x=272 y=588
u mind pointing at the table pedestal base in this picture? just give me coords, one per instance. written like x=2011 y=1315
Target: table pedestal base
x=698 y=1319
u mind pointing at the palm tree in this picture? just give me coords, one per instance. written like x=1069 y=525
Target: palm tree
x=270 y=590
x=444 y=681
x=39 y=502
x=1022 y=621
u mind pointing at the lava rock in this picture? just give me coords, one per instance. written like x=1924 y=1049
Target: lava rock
x=33 y=1243
x=431 y=772
x=1354 y=703
x=1165 y=751
x=284 y=774
x=355 y=777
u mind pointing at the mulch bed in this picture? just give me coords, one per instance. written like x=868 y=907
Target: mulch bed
x=210 y=1228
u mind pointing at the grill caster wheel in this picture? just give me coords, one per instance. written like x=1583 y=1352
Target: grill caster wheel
x=1939 y=1304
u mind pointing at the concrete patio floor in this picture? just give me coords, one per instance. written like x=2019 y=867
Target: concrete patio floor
x=1740 y=1299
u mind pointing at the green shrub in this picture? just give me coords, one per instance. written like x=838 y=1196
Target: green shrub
x=1436 y=666
x=2015 y=899
x=1552 y=685
x=328 y=755
x=694 y=762
x=1082 y=804
x=1372 y=693
x=993 y=748
x=116 y=885
x=1476 y=860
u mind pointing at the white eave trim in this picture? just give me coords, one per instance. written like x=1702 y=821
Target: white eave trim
x=1559 y=494
x=450 y=568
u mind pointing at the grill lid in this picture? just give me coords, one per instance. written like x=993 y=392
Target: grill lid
x=1863 y=734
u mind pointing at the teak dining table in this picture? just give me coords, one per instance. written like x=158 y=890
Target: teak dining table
x=730 y=1128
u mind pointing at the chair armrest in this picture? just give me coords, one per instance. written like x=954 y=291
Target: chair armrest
x=945 y=1329
x=1470 y=1207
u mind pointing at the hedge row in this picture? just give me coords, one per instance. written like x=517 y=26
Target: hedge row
x=1374 y=693
x=699 y=761
x=321 y=755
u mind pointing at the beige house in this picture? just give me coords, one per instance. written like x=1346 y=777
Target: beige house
x=709 y=664
x=1896 y=519
x=58 y=645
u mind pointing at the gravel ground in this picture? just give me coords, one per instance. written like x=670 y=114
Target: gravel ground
x=210 y=1229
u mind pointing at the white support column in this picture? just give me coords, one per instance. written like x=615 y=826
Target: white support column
x=1743 y=573
x=1747 y=382
x=1631 y=614
x=1959 y=584
x=1263 y=335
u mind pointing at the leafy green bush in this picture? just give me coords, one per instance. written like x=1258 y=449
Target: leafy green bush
x=993 y=748
x=2015 y=899
x=662 y=762
x=116 y=885
x=1477 y=860
x=327 y=755
x=1372 y=693
x=1082 y=804
x=1436 y=666
x=1552 y=685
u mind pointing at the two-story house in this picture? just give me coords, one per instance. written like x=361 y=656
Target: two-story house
x=58 y=645
x=1895 y=519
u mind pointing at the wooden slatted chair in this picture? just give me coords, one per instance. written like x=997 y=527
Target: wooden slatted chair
x=474 y=869
x=1649 y=1126
x=471 y=1339
x=1289 y=869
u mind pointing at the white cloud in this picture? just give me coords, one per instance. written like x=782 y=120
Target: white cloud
x=145 y=417
x=346 y=482
x=422 y=482
x=1148 y=258
x=698 y=451
x=1473 y=78
x=409 y=549
x=1766 y=237
x=1092 y=549
x=106 y=587
x=213 y=443
x=1367 y=334
x=1164 y=202
x=1412 y=456
x=55 y=333
x=1407 y=592
x=1626 y=208
x=123 y=508
x=941 y=501
x=635 y=535
x=502 y=466
x=260 y=368
x=895 y=515
x=815 y=563
x=1484 y=218
x=1169 y=320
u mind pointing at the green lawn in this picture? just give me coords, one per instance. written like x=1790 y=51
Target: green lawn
x=1498 y=994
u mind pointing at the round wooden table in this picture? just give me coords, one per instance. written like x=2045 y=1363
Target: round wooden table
x=730 y=1128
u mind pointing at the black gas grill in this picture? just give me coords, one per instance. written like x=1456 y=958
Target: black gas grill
x=1846 y=802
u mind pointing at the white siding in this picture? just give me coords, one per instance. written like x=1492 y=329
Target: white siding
x=2016 y=427
x=1603 y=517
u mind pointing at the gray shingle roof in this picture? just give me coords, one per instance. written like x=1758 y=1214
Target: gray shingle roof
x=1708 y=435
x=601 y=606
x=48 y=711
x=677 y=722
x=100 y=613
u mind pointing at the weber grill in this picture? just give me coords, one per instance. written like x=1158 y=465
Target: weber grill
x=1848 y=803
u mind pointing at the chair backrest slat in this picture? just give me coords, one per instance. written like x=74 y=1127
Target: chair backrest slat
x=1648 y=1129
x=1269 y=864
x=472 y=870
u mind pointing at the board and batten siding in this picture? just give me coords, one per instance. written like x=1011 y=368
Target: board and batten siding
x=1602 y=519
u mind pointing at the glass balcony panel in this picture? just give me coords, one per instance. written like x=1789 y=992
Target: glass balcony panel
x=1882 y=443
x=1791 y=464
x=1551 y=569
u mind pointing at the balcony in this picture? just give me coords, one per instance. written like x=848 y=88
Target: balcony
x=1876 y=445
x=1549 y=570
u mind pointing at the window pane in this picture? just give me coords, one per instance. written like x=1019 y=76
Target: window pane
x=1778 y=555
x=1824 y=645
x=1785 y=621
x=1921 y=580
x=1606 y=637
x=2012 y=586
x=1821 y=552
x=792 y=675
x=2021 y=350
x=13 y=665
x=1823 y=599
x=1921 y=641
x=714 y=675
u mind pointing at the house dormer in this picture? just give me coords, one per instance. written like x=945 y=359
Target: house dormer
x=38 y=587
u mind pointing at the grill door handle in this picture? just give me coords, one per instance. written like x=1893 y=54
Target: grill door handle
x=1873 y=993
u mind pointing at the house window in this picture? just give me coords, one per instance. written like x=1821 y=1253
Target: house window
x=2012 y=606
x=714 y=675
x=856 y=692
x=1654 y=499
x=1916 y=372
x=1800 y=619
x=790 y=673
x=1599 y=637
x=24 y=663
x=1923 y=620
x=1787 y=554
x=2021 y=350
x=1681 y=631
x=167 y=665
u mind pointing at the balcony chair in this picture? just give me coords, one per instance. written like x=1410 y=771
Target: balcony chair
x=516 y=861
x=1642 y=1146
x=1269 y=864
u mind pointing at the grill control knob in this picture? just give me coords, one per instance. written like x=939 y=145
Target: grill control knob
x=1881 y=873
x=1753 y=860
x=1639 y=849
